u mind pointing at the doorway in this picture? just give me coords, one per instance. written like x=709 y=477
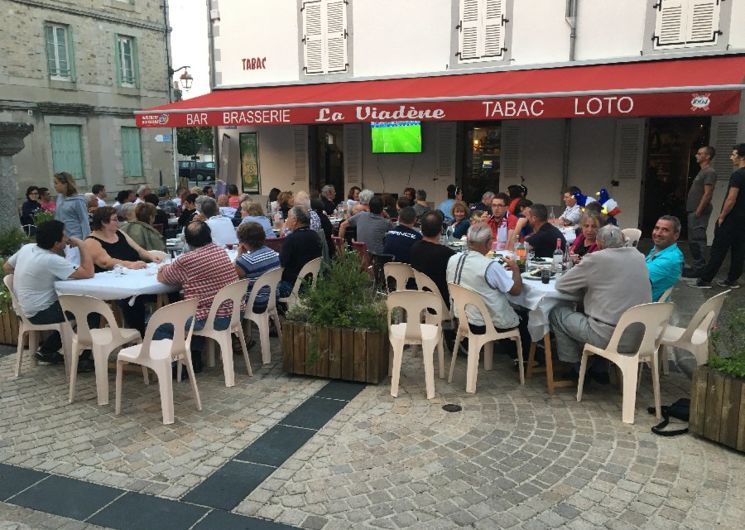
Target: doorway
x=481 y=159
x=326 y=154
x=671 y=167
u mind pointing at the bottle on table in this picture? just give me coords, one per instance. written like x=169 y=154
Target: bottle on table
x=558 y=257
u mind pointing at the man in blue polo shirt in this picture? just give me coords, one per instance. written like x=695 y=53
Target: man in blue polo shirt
x=665 y=260
x=399 y=239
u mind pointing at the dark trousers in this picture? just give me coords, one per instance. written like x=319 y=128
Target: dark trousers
x=134 y=315
x=53 y=315
x=730 y=236
x=522 y=326
x=697 y=239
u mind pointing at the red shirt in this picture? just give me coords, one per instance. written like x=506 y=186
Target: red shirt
x=202 y=272
x=508 y=220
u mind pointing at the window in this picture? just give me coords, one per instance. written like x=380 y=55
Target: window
x=126 y=61
x=59 y=52
x=67 y=149
x=481 y=30
x=325 y=36
x=684 y=23
x=131 y=152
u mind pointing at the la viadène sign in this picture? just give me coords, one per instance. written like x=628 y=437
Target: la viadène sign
x=597 y=106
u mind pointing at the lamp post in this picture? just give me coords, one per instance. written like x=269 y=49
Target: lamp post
x=184 y=82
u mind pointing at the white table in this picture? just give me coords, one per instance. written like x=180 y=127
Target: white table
x=539 y=299
x=112 y=286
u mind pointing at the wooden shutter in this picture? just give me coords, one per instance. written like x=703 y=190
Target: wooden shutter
x=313 y=37
x=468 y=39
x=446 y=141
x=702 y=21
x=67 y=149
x=629 y=149
x=493 y=28
x=353 y=154
x=723 y=138
x=336 y=36
x=300 y=149
x=671 y=22
x=131 y=152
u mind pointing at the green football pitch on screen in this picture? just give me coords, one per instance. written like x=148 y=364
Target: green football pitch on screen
x=403 y=137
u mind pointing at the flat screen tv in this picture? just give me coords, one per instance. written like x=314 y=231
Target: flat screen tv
x=396 y=137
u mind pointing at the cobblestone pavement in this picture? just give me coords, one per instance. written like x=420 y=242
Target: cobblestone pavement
x=513 y=457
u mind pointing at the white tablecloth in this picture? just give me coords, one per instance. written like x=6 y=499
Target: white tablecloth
x=111 y=286
x=569 y=233
x=539 y=298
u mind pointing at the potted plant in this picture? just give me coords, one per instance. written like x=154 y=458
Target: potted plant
x=338 y=330
x=10 y=242
x=718 y=389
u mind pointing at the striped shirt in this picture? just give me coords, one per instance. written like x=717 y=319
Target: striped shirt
x=256 y=263
x=202 y=272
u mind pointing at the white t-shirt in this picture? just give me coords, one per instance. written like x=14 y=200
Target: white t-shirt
x=223 y=231
x=572 y=214
x=101 y=202
x=35 y=271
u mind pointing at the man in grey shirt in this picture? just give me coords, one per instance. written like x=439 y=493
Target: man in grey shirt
x=371 y=226
x=698 y=206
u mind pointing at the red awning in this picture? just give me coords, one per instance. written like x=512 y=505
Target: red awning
x=676 y=87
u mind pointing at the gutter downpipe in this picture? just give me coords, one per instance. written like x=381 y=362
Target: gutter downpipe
x=169 y=67
x=212 y=16
x=571 y=20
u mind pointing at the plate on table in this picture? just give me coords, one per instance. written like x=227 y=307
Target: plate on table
x=542 y=260
x=535 y=274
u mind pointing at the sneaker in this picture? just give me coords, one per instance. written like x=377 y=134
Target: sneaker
x=690 y=272
x=701 y=284
x=85 y=365
x=728 y=284
x=53 y=357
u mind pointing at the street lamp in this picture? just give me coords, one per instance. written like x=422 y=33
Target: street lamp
x=185 y=78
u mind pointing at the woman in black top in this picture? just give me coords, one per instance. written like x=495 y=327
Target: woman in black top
x=31 y=205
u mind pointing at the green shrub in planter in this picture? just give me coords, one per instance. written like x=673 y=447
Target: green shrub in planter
x=728 y=346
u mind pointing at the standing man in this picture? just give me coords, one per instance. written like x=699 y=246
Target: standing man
x=729 y=233
x=698 y=207
x=99 y=190
x=665 y=260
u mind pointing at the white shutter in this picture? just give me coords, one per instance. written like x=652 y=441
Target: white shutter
x=723 y=138
x=470 y=22
x=445 y=150
x=493 y=32
x=510 y=155
x=702 y=21
x=336 y=36
x=313 y=36
x=629 y=148
x=300 y=148
x=671 y=23
x=353 y=154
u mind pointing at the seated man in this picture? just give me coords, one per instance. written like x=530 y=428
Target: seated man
x=501 y=222
x=421 y=206
x=221 y=228
x=610 y=281
x=188 y=210
x=398 y=240
x=431 y=257
x=201 y=272
x=371 y=226
x=254 y=259
x=572 y=211
x=544 y=236
x=665 y=260
x=299 y=247
x=491 y=280
x=36 y=267
x=328 y=196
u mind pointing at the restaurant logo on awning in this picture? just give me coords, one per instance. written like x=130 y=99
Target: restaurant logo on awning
x=700 y=101
x=154 y=119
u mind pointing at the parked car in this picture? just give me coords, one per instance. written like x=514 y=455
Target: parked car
x=197 y=172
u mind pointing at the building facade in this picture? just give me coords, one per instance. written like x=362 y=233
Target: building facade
x=76 y=71
x=644 y=158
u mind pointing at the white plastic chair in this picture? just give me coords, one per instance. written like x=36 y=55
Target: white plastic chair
x=268 y=279
x=158 y=354
x=665 y=297
x=654 y=317
x=25 y=327
x=632 y=235
x=414 y=331
x=400 y=272
x=102 y=341
x=224 y=338
x=427 y=284
x=463 y=297
x=312 y=268
x=695 y=336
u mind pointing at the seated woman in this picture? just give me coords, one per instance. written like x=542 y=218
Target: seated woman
x=234 y=198
x=109 y=247
x=522 y=228
x=141 y=229
x=586 y=242
x=31 y=206
x=460 y=224
x=251 y=212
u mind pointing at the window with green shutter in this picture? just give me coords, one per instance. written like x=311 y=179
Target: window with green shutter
x=126 y=60
x=131 y=152
x=59 y=52
x=67 y=149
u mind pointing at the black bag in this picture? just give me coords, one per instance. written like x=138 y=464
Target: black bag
x=679 y=410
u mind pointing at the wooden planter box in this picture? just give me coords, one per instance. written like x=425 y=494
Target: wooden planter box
x=8 y=325
x=347 y=354
x=718 y=408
